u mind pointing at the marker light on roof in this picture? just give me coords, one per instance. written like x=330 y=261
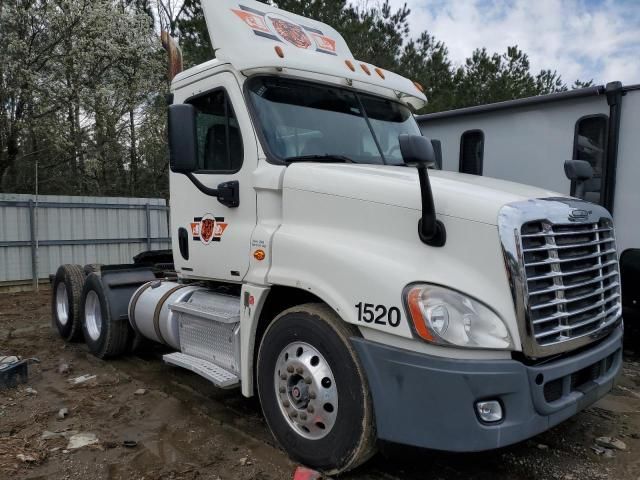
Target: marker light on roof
x=279 y=51
x=350 y=65
x=380 y=73
x=365 y=69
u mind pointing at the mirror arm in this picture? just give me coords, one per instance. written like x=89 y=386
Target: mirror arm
x=212 y=192
x=431 y=230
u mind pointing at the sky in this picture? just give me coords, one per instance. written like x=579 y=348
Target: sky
x=581 y=39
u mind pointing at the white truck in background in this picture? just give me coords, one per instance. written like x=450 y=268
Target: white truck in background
x=319 y=264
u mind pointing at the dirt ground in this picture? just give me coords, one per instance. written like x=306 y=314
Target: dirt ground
x=176 y=425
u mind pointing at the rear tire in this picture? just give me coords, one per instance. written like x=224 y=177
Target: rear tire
x=313 y=390
x=65 y=301
x=105 y=336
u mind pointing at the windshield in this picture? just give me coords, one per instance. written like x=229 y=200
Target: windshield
x=303 y=119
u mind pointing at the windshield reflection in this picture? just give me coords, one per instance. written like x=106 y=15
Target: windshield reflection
x=304 y=119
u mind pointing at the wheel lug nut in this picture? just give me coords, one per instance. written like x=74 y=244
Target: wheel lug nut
x=294 y=414
x=312 y=395
x=299 y=371
x=307 y=380
x=286 y=404
x=283 y=376
x=303 y=416
x=310 y=409
x=290 y=369
x=282 y=390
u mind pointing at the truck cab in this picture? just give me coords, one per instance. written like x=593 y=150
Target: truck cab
x=323 y=264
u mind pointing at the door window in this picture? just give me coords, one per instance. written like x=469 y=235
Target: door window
x=219 y=141
x=472 y=152
x=589 y=144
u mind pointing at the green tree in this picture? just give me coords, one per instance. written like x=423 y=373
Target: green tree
x=582 y=84
x=82 y=82
x=427 y=61
x=75 y=79
x=487 y=78
x=194 y=36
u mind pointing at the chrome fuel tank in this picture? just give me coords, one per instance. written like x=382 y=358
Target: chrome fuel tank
x=149 y=312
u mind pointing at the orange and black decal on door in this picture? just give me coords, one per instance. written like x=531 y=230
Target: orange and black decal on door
x=208 y=228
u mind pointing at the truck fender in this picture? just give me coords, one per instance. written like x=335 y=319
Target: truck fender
x=120 y=283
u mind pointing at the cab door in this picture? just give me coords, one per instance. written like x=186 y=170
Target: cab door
x=212 y=238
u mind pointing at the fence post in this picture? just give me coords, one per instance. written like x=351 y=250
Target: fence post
x=34 y=250
x=148 y=213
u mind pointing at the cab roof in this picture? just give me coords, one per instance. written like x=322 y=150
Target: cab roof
x=253 y=36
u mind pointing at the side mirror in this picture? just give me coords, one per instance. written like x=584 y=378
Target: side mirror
x=578 y=171
x=418 y=150
x=183 y=138
x=183 y=154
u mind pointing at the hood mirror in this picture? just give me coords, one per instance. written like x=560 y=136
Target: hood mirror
x=418 y=151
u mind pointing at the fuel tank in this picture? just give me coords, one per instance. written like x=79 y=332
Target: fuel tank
x=149 y=312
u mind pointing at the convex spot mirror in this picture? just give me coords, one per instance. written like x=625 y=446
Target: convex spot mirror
x=183 y=138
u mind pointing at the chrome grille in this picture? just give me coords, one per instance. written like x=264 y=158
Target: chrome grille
x=572 y=286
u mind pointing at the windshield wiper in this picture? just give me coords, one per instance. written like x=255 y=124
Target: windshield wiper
x=320 y=158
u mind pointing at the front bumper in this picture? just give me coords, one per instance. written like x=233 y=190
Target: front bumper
x=429 y=402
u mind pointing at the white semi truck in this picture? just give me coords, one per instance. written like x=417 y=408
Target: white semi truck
x=319 y=264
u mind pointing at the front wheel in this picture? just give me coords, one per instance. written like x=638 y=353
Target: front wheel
x=313 y=390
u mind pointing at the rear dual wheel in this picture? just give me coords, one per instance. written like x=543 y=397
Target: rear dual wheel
x=65 y=301
x=313 y=390
x=80 y=307
x=105 y=336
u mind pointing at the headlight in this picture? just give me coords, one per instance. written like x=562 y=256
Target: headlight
x=447 y=317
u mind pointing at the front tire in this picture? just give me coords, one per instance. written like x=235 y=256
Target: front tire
x=105 y=336
x=65 y=301
x=313 y=390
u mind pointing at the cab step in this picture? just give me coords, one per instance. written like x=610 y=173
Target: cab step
x=209 y=325
x=217 y=375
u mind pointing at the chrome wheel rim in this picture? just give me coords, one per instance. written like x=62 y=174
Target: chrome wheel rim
x=306 y=390
x=93 y=315
x=62 y=303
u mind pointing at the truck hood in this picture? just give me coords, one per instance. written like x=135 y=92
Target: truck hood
x=455 y=194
